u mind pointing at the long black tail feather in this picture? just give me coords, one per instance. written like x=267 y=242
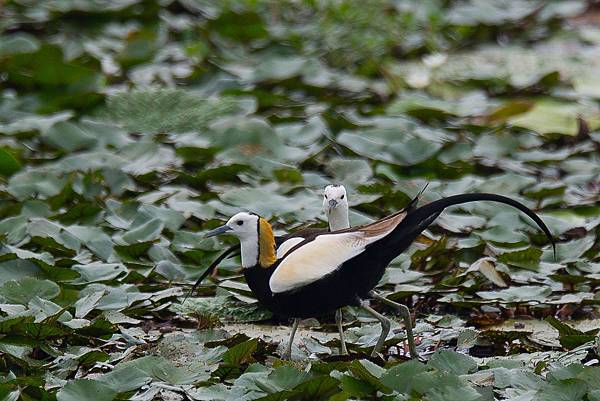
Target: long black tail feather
x=412 y=205
x=418 y=219
x=227 y=253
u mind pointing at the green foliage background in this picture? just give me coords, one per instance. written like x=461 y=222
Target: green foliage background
x=129 y=127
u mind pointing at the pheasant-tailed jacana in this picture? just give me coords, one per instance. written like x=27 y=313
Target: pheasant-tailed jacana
x=335 y=204
x=326 y=271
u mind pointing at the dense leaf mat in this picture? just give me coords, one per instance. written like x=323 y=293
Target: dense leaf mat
x=128 y=128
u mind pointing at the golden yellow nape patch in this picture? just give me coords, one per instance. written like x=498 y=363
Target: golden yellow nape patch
x=266 y=244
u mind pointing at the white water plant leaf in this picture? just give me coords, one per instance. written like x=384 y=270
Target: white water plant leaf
x=518 y=294
x=86 y=304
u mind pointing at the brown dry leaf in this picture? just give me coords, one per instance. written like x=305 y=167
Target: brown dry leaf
x=488 y=269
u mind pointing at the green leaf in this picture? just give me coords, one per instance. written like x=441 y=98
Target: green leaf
x=98 y=271
x=7 y=395
x=85 y=390
x=571 y=251
x=518 y=294
x=27 y=183
x=147 y=231
x=69 y=136
x=18 y=43
x=241 y=353
x=441 y=385
x=594 y=395
x=389 y=145
x=169 y=270
x=40 y=331
x=467 y=338
x=169 y=110
x=370 y=373
x=548 y=117
x=224 y=308
x=568 y=390
x=452 y=393
x=569 y=337
x=158 y=368
x=489 y=13
x=526 y=258
x=319 y=388
x=355 y=387
x=25 y=289
x=86 y=304
x=17 y=269
x=125 y=379
x=260 y=379
x=400 y=377
x=8 y=163
x=452 y=362
x=503 y=235
x=351 y=171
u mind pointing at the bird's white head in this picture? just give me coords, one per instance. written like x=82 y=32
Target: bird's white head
x=335 y=205
x=256 y=238
x=243 y=225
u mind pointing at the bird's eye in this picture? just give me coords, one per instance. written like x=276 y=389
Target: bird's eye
x=239 y=222
x=342 y=197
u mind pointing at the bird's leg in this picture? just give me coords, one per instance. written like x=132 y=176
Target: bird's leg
x=287 y=354
x=338 y=322
x=386 y=324
x=405 y=313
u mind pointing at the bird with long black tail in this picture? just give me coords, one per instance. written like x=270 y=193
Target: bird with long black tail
x=329 y=270
x=335 y=204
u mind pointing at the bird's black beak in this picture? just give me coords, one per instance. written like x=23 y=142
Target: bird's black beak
x=332 y=204
x=217 y=231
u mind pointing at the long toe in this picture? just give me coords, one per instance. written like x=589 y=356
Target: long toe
x=344 y=350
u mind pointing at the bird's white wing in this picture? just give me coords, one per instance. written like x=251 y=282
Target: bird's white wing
x=287 y=245
x=321 y=256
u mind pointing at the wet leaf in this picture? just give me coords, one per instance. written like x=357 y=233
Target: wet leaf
x=452 y=362
x=23 y=290
x=83 y=390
